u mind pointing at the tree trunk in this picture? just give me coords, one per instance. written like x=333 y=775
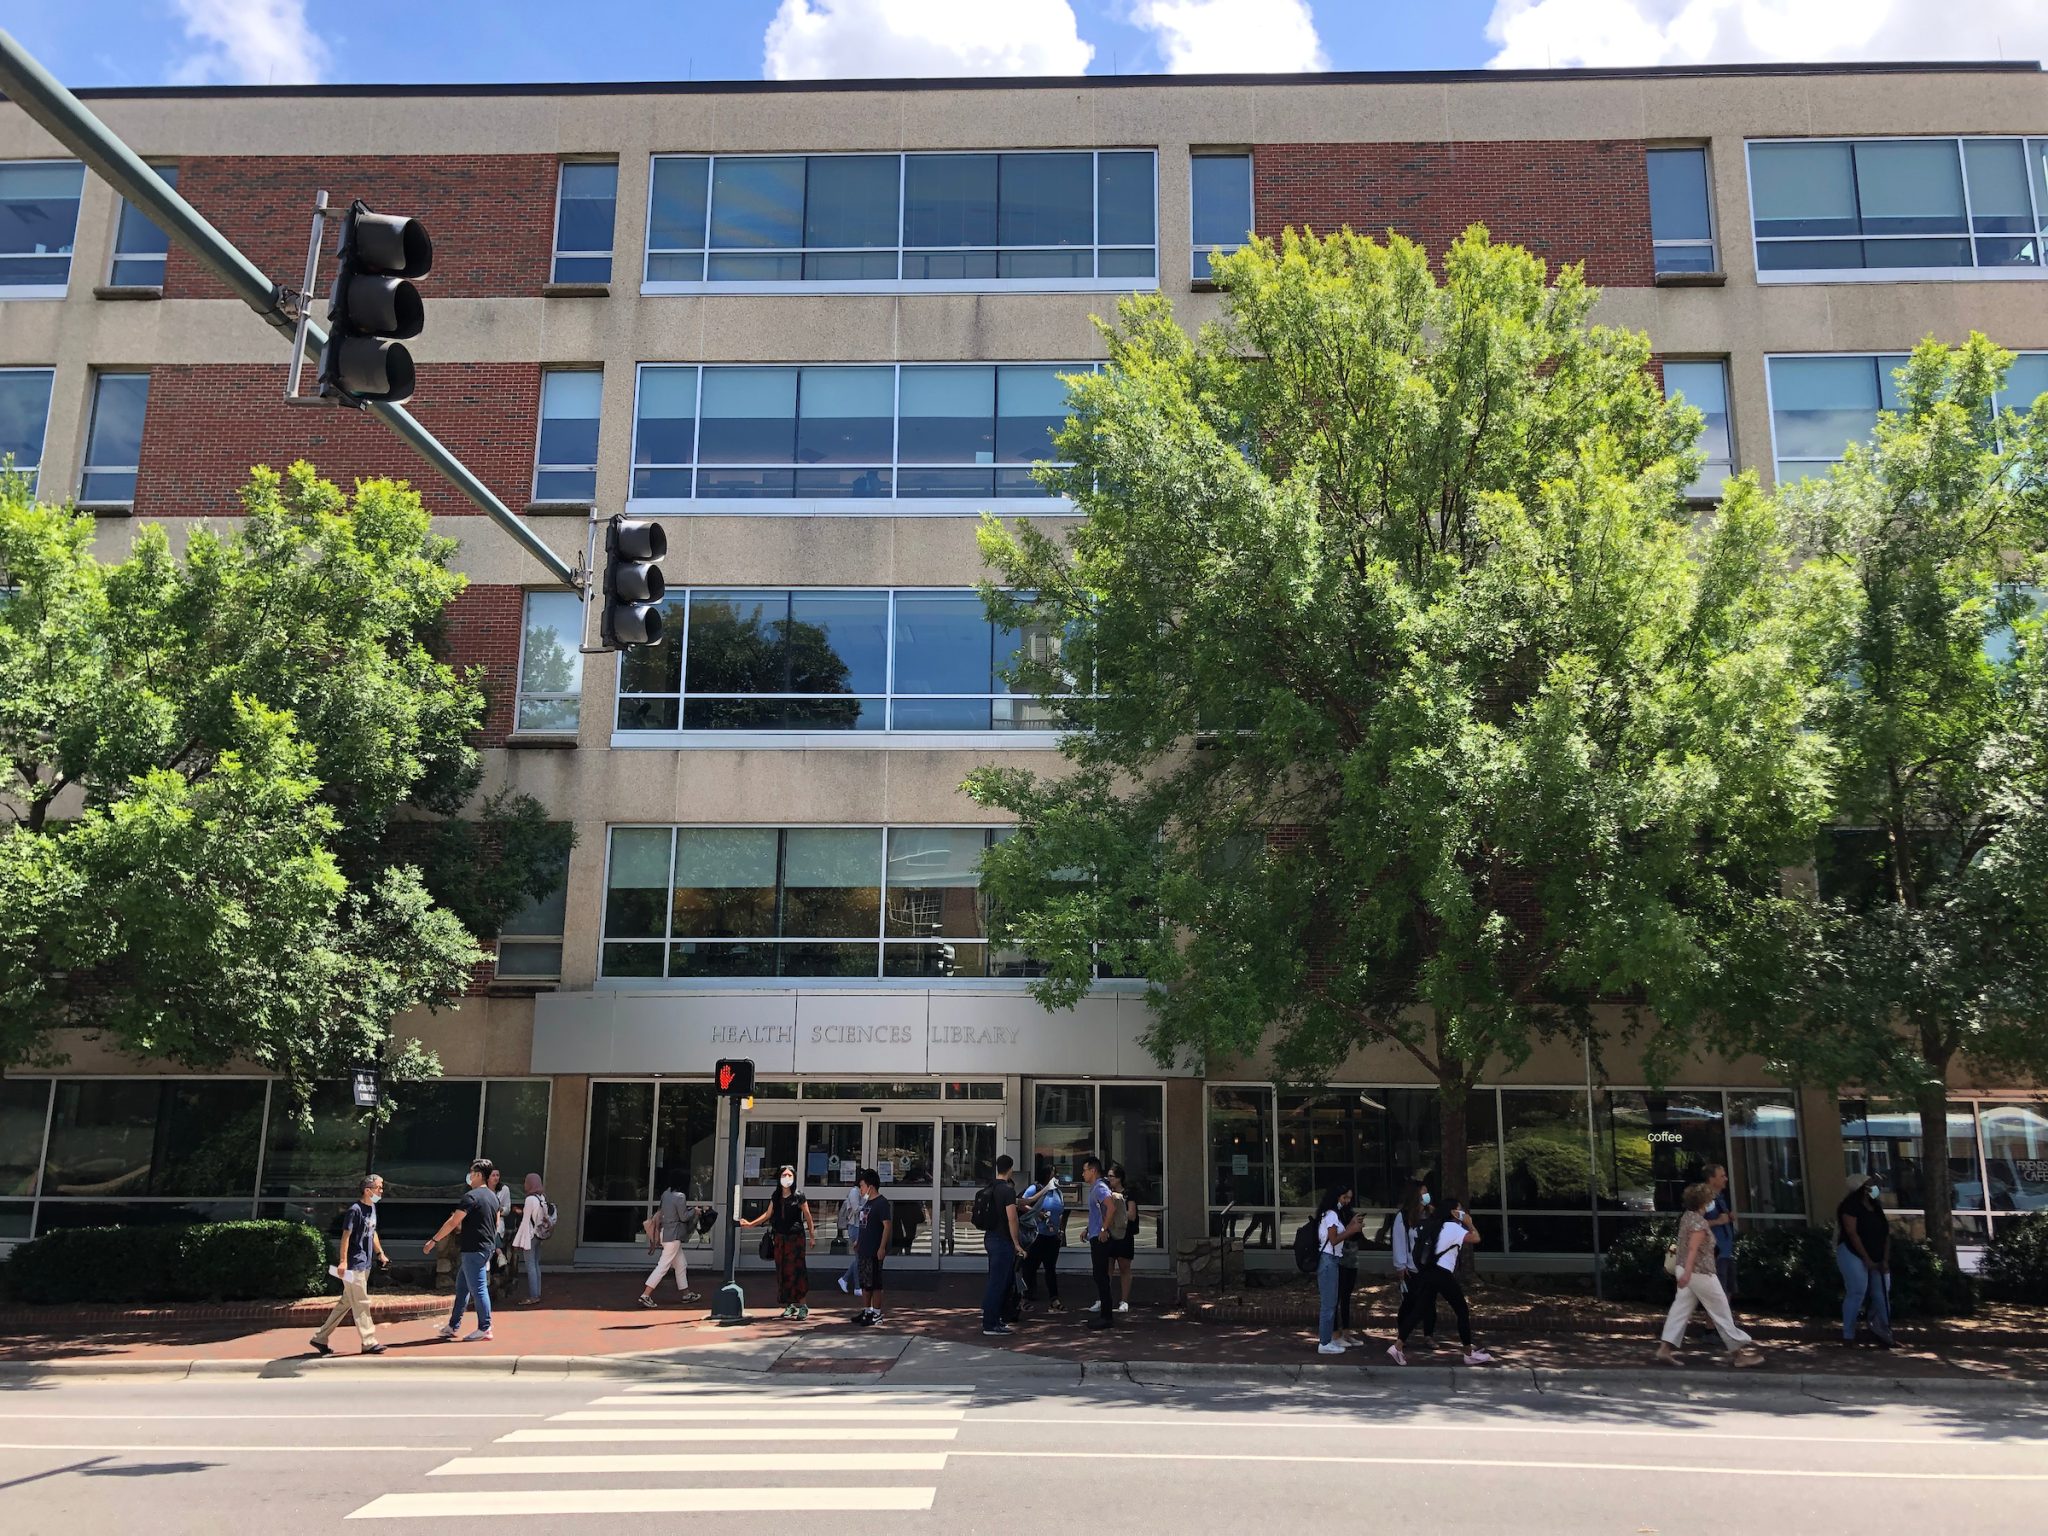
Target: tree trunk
x=1455 y=1161
x=1932 y=1100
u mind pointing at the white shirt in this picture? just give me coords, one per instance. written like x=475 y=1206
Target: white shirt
x=1331 y=1232
x=529 y=1213
x=1449 y=1239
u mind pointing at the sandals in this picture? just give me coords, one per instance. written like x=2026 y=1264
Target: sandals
x=691 y=1296
x=1742 y=1359
x=1665 y=1357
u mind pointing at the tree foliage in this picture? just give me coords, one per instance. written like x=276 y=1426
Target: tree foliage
x=1417 y=707
x=217 y=773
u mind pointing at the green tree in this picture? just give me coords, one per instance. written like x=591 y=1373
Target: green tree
x=1420 y=710
x=219 y=775
x=1926 y=939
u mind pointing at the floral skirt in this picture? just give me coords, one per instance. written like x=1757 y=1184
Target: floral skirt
x=792 y=1273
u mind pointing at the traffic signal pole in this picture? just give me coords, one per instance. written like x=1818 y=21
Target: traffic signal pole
x=38 y=93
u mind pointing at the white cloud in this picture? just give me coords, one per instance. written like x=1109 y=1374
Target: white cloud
x=249 y=42
x=1232 y=36
x=1540 y=34
x=869 y=39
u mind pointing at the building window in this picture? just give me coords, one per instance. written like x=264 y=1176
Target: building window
x=1681 y=211
x=1117 y=1122
x=911 y=431
x=24 y=417
x=586 y=198
x=1881 y=1140
x=550 y=663
x=113 y=446
x=1821 y=404
x=861 y=660
x=639 y=1130
x=38 y=226
x=1899 y=208
x=1078 y=219
x=139 y=246
x=1704 y=386
x=530 y=940
x=1221 y=194
x=565 y=458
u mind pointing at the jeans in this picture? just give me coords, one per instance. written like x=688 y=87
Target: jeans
x=532 y=1258
x=850 y=1276
x=1105 y=1287
x=1328 y=1278
x=472 y=1280
x=1002 y=1270
x=1861 y=1284
x=1724 y=1271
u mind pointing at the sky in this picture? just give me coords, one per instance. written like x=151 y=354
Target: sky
x=196 y=42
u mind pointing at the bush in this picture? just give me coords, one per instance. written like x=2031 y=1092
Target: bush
x=2016 y=1260
x=1923 y=1286
x=213 y=1261
x=1633 y=1266
x=1787 y=1269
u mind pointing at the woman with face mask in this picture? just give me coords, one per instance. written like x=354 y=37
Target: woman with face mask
x=1863 y=1252
x=792 y=1232
x=1418 y=1302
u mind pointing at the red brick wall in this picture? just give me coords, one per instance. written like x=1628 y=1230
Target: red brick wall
x=1566 y=200
x=482 y=630
x=207 y=424
x=492 y=217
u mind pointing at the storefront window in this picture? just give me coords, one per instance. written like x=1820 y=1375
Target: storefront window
x=1883 y=1138
x=24 y=1106
x=1241 y=1165
x=1654 y=1145
x=686 y=1137
x=516 y=1129
x=137 y=1138
x=1765 y=1172
x=1134 y=1134
x=1063 y=1127
x=970 y=1153
x=2015 y=1155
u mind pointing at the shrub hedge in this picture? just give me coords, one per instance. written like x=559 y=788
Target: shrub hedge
x=1789 y=1270
x=2016 y=1260
x=209 y=1261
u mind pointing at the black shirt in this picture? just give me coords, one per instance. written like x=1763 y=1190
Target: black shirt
x=873 y=1214
x=787 y=1218
x=1871 y=1225
x=479 y=1209
x=361 y=1226
x=1002 y=1195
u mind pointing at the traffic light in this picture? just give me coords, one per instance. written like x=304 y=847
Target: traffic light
x=633 y=584
x=735 y=1079
x=373 y=306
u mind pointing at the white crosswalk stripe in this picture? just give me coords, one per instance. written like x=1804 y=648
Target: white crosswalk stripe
x=710 y=1480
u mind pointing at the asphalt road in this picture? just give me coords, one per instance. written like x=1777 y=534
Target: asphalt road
x=584 y=1454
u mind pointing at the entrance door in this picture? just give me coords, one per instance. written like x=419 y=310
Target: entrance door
x=902 y=1156
x=826 y=1153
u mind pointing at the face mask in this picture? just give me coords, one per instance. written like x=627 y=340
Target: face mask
x=373 y=1199
x=1425 y=1197
x=789 y=1181
x=1871 y=1191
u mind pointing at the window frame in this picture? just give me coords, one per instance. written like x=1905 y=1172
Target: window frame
x=33 y=291
x=1197 y=266
x=34 y=474
x=1973 y=273
x=1734 y=459
x=520 y=692
x=555 y=251
x=1820 y=467
x=1712 y=242
x=86 y=466
x=899 y=284
x=540 y=428
x=168 y=170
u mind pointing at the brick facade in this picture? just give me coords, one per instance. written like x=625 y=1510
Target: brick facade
x=492 y=217
x=1566 y=200
x=207 y=424
x=482 y=630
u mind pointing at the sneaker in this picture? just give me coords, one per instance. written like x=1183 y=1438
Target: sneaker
x=1123 y=1306
x=1094 y=1306
x=844 y=1287
x=861 y=1319
x=646 y=1300
x=445 y=1332
x=789 y=1311
x=1394 y=1353
x=1479 y=1357
x=690 y=1296
x=995 y=1333
x=858 y=1291
x=1058 y=1305
x=529 y=1301
x=373 y=1349
x=1332 y=1348
x=477 y=1335
x=321 y=1346
x=803 y=1312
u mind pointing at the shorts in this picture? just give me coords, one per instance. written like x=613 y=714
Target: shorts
x=1125 y=1247
x=871 y=1277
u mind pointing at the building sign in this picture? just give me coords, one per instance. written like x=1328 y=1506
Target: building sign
x=366 y=1081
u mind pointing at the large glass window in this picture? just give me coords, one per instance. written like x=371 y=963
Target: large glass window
x=1241 y=1165
x=139 y=246
x=1118 y=1122
x=586 y=200
x=871 y=431
x=530 y=940
x=1765 y=1169
x=861 y=660
x=113 y=445
x=24 y=418
x=565 y=456
x=2015 y=1155
x=127 y=1138
x=1654 y=1144
x=1220 y=188
x=1075 y=219
x=1681 y=210
x=1822 y=403
x=551 y=663
x=1898 y=207
x=38 y=226
x=1705 y=388
x=1882 y=1139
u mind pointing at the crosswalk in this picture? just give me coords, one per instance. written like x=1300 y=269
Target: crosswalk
x=543 y=1471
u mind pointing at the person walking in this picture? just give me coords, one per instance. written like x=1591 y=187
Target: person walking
x=477 y=1216
x=1347 y=1273
x=1100 y=1200
x=359 y=1243
x=1863 y=1252
x=1699 y=1286
x=669 y=1228
x=1000 y=1237
x=1720 y=1218
x=791 y=1232
x=1436 y=1255
x=1332 y=1231
x=1042 y=1253
x=536 y=1222
x=871 y=1245
x=849 y=1229
x=1123 y=1233
x=1418 y=1301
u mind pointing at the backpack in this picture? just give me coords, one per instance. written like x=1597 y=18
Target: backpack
x=1307 y=1246
x=1119 y=1217
x=1428 y=1239
x=544 y=1223
x=983 y=1214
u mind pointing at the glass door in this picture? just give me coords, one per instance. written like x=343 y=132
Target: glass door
x=902 y=1156
x=968 y=1164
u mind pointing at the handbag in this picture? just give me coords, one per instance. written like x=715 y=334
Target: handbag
x=767 y=1245
x=1671 y=1261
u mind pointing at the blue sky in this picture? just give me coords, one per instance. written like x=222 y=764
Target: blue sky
x=149 y=42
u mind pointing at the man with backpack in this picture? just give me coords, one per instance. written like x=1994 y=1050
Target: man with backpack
x=995 y=1213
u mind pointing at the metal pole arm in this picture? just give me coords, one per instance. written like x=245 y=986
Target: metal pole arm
x=38 y=93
